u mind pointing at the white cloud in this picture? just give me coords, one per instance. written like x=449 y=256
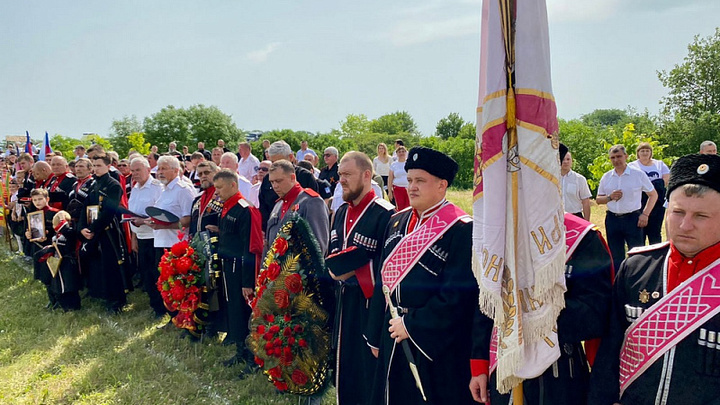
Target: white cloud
x=418 y=31
x=261 y=55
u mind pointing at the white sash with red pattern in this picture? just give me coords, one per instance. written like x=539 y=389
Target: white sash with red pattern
x=407 y=253
x=670 y=320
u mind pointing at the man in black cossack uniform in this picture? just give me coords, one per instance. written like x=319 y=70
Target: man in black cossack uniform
x=61 y=183
x=239 y=244
x=428 y=271
x=662 y=344
x=356 y=240
x=104 y=247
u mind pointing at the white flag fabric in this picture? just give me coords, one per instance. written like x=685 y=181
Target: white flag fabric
x=518 y=236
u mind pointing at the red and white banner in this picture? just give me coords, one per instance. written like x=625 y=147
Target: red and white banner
x=519 y=237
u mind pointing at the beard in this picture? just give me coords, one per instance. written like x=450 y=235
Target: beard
x=351 y=194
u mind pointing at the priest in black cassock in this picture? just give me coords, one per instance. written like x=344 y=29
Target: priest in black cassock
x=104 y=247
x=427 y=269
x=356 y=240
x=239 y=244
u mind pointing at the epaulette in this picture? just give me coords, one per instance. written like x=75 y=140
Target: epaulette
x=401 y=211
x=385 y=204
x=311 y=192
x=466 y=219
x=155 y=181
x=649 y=248
x=243 y=203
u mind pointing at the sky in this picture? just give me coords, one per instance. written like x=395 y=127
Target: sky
x=70 y=67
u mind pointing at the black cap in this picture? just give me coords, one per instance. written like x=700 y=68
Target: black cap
x=563 y=151
x=436 y=163
x=695 y=169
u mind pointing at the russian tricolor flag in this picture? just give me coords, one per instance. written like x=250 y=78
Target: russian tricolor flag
x=46 y=149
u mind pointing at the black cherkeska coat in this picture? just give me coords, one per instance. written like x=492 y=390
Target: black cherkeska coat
x=440 y=295
x=355 y=364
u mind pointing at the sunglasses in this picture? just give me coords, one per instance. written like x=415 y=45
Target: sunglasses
x=122 y=165
x=263 y=169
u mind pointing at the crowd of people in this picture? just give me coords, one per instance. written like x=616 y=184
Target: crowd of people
x=399 y=262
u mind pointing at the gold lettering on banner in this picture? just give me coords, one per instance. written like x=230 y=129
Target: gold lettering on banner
x=495 y=263
x=557 y=231
x=543 y=244
x=509 y=304
x=527 y=301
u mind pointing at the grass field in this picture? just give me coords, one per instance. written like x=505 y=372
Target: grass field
x=90 y=357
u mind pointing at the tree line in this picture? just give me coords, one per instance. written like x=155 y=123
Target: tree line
x=690 y=114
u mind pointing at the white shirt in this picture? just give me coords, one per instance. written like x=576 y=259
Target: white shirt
x=248 y=167
x=245 y=187
x=656 y=170
x=632 y=183
x=399 y=174
x=177 y=197
x=142 y=197
x=254 y=193
x=575 y=189
x=383 y=169
x=300 y=155
x=337 y=200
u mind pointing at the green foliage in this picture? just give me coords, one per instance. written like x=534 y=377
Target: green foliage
x=120 y=132
x=450 y=126
x=355 y=125
x=605 y=117
x=468 y=131
x=630 y=139
x=136 y=140
x=65 y=144
x=693 y=85
x=584 y=141
x=397 y=123
x=189 y=126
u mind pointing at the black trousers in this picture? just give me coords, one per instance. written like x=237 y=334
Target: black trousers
x=622 y=230
x=653 y=230
x=148 y=260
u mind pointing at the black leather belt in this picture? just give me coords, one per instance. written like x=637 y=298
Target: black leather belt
x=625 y=214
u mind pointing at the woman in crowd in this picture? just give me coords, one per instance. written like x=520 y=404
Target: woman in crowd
x=397 y=180
x=659 y=174
x=381 y=164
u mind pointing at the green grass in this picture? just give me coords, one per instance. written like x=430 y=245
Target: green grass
x=90 y=357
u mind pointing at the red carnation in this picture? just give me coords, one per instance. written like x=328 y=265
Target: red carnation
x=291 y=340
x=302 y=343
x=261 y=329
x=268 y=336
x=287 y=350
x=259 y=361
x=277 y=352
x=298 y=329
x=183 y=265
x=273 y=271
x=268 y=346
x=178 y=292
x=281 y=386
x=299 y=378
x=179 y=248
x=293 y=283
x=275 y=372
x=281 y=246
x=282 y=299
x=287 y=331
x=287 y=318
x=274 y=329
x=277 y=342
x=269 y=318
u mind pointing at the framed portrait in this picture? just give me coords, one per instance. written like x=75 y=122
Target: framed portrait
x=92 y=213
x=36 y=225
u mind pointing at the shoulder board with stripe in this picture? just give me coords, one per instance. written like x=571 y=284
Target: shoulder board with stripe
x=311 y=192
x=243 y=203
x=466 y=219
x=384 y=203
x=649 y=248
x=403 y=210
